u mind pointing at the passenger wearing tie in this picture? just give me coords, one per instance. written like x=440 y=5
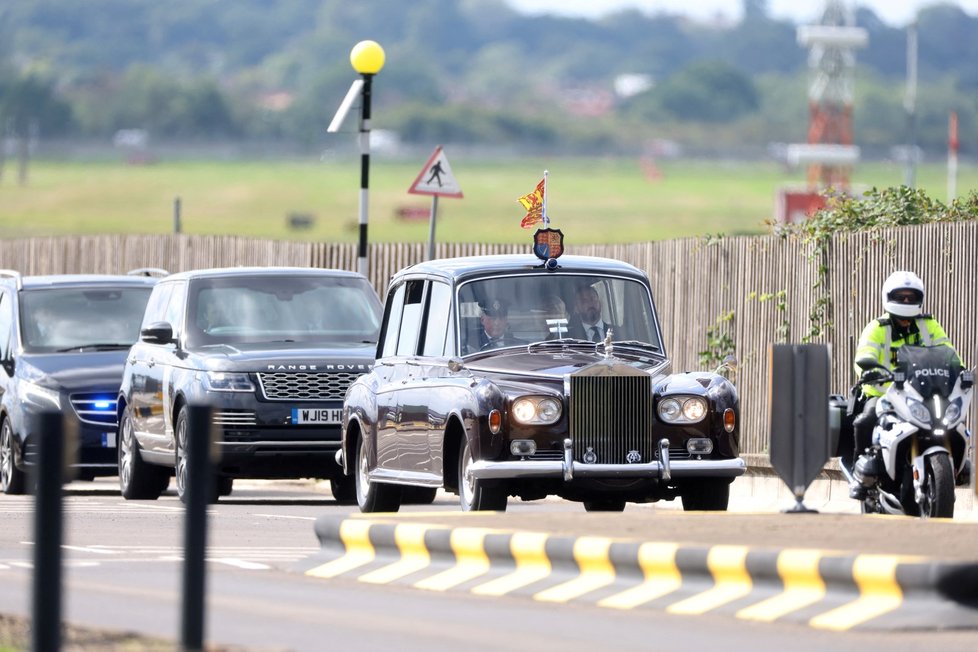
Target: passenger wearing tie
x=590 y=325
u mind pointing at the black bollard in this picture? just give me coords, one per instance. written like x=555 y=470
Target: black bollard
x=198 y=490
x=48 y=529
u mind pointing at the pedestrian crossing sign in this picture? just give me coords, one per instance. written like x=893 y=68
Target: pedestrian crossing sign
x=436 y=178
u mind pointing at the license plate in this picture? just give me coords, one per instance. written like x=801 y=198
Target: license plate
x=322 y=417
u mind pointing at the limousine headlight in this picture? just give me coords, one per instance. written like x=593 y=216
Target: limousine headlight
x=536 y=410
x=682 y=409
x=222 y=381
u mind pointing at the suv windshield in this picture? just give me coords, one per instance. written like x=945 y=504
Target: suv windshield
x=317 y=309
x=516 y=310
x=67 y=319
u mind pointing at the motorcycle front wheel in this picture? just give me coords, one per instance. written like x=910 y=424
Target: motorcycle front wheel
x=937 y=500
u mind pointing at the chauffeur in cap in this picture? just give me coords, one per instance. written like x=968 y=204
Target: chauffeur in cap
x=495 y=326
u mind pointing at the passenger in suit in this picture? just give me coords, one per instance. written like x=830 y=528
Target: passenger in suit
x=495 y=331
x=588 y=324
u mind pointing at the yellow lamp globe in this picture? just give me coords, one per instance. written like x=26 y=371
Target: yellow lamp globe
x=367 y=57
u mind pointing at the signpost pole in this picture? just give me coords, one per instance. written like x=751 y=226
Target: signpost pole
x=431 y=227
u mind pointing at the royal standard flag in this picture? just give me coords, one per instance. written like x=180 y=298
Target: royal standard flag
x=533 y=203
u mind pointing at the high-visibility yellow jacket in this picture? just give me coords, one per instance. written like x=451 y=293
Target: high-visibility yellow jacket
x=878 y=343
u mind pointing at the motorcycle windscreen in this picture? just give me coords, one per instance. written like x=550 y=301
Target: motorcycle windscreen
x=931 y=370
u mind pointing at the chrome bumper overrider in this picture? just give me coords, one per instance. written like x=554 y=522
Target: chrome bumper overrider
x=568 y=469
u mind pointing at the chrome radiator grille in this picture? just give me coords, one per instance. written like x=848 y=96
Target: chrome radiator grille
x=95 y=408
x=610 y=418
x=306 y=386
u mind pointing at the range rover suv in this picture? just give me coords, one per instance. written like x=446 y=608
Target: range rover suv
x=271 y=350
x=63 y=344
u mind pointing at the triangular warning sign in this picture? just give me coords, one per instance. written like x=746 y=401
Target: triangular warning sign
x=436 y=178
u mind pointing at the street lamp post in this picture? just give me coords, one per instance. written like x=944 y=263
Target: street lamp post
x=367 y=58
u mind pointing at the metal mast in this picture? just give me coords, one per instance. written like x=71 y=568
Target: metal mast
x=829 y=152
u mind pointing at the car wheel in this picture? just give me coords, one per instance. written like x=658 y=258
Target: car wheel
x=473 y=493
x=605 y=505
x=707 y=495
x=181 y=468
x=344 y=489
x=137 y=479
x=418 y=495
x=374 y=496
x=12 y=479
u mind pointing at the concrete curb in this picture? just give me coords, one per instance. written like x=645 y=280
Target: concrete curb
x=817 y=588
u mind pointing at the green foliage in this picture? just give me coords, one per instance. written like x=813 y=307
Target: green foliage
x=876 y=210
x=719 y=340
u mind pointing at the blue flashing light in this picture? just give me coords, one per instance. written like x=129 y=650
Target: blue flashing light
x=103 y=405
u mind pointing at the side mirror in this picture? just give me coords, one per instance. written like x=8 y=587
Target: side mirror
x=159 y=332
x=967 y=379
x=729 y=364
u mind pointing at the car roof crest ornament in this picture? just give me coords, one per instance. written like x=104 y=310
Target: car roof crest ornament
x=548 y=244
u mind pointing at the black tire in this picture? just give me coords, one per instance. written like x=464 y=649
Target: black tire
x=13 y=481
x=604 y=505
x=344 y=488
x=224 y=485
x=180 y=468
x=473 y=494
x=373 y=496
x=418 y=495
x=137 y=479
x=938 y=499
x=706 y=495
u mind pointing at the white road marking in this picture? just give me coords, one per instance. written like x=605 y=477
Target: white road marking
x=301 y=518
x=97 y=550
x=239 y=563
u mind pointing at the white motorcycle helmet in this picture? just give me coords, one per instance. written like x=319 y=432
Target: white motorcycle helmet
x=903 y=281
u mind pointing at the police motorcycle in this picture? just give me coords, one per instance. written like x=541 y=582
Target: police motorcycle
x=920 y=443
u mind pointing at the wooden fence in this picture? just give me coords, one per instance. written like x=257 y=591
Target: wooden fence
x=756 y=290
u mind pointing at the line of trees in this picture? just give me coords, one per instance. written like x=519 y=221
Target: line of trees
x=472 y=72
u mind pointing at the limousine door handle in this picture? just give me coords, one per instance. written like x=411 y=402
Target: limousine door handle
x=150 y=363
x=132 y=361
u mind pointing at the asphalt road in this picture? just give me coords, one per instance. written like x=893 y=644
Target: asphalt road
x=123 y=569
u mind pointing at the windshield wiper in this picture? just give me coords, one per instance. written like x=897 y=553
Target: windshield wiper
x=636 y=343
x=100 y=346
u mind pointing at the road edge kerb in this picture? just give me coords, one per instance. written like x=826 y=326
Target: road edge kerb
x=821 y=589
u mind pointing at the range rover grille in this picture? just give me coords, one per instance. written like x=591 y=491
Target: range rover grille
x=279 y=386
x=95 y=408
x=610 y=417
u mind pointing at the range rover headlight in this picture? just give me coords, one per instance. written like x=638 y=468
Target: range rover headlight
x=222 y=381
x=682 y=409
x=536 y=410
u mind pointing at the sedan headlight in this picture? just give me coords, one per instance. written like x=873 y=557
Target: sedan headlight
x=682 y=409
x=222 y=381
x=536 y=410
x=43 y=397
x=919 y=412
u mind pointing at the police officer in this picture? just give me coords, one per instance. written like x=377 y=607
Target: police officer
x=903 y=323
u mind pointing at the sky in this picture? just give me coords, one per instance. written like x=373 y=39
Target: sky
x=897 y=13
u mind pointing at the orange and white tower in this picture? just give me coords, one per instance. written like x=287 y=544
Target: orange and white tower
x=830 y=153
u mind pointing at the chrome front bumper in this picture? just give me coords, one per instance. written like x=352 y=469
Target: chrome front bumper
x=664 y=469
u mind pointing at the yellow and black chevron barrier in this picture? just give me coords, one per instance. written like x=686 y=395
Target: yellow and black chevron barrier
x=826 y=590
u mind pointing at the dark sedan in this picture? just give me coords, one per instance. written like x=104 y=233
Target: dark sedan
x=502 y=376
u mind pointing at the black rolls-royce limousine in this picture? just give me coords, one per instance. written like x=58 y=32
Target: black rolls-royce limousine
x=503 y=376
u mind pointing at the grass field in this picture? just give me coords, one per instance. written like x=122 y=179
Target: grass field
x=592 y=200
